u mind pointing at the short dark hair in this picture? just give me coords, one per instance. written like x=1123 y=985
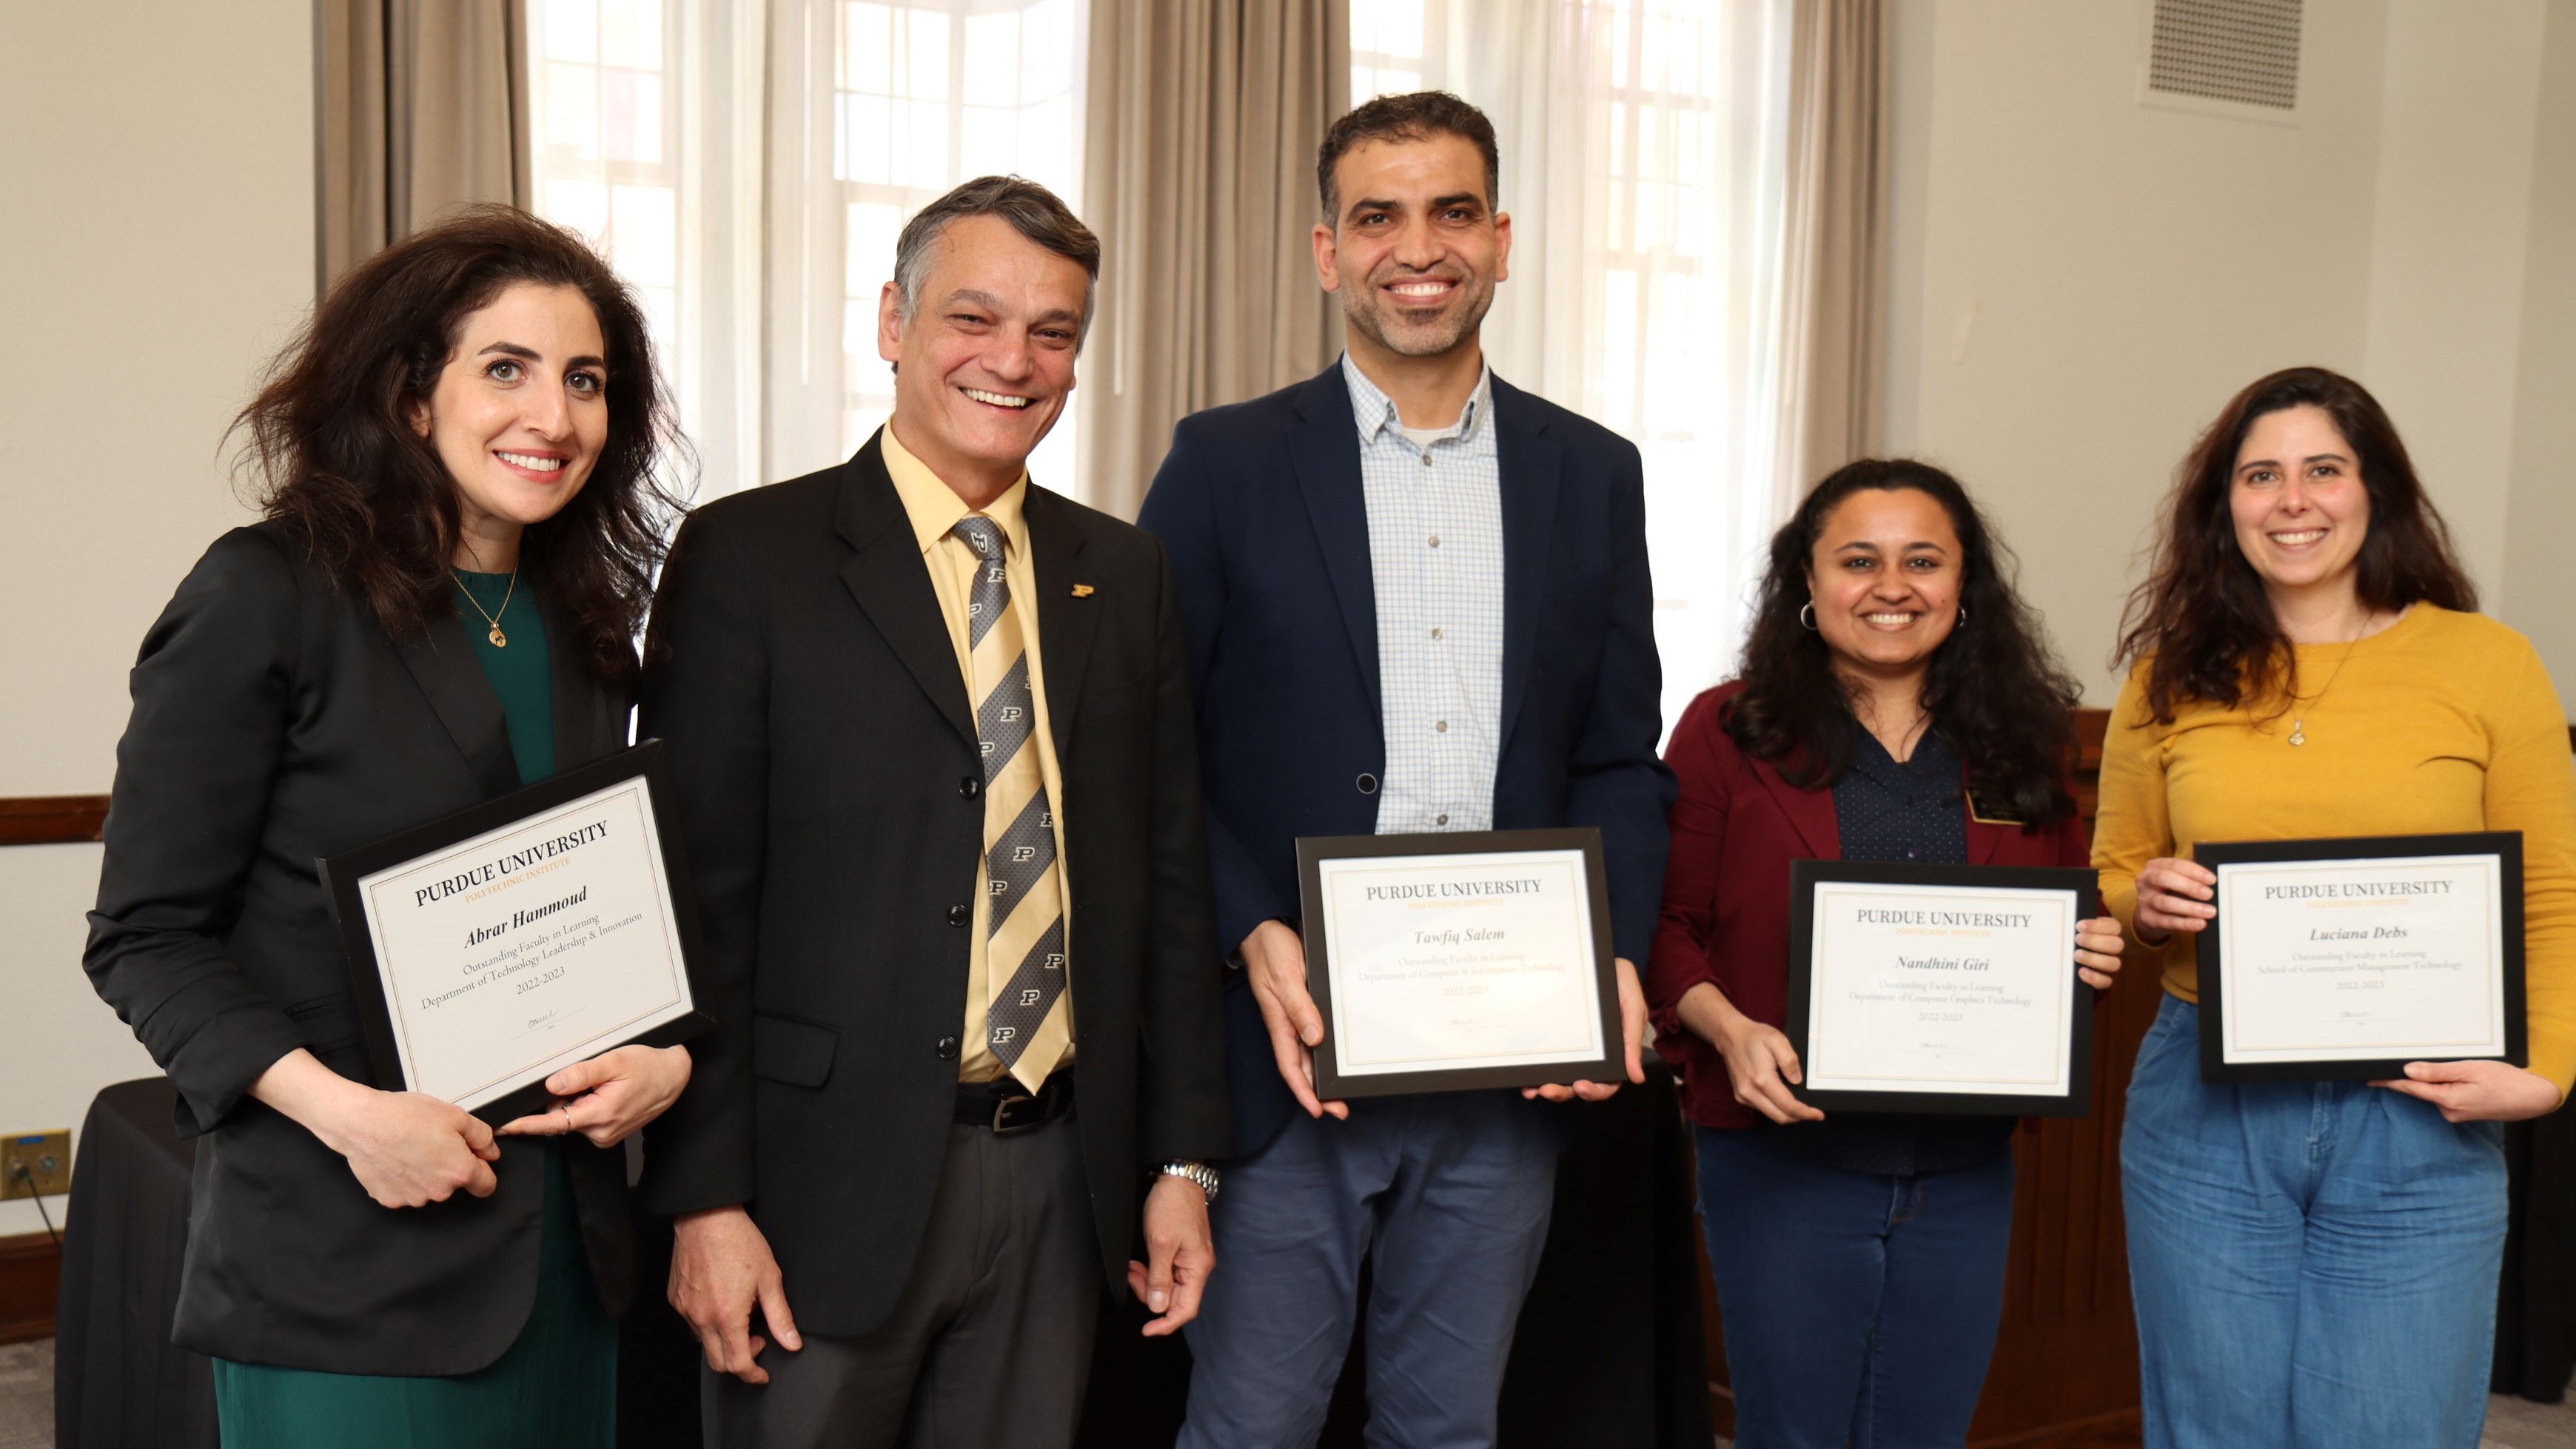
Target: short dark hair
x=1411 y=116
x=337 y=460
x=1031 y=209
x=2202 y=619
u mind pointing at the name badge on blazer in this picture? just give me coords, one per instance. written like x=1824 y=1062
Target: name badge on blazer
x=1986 y=812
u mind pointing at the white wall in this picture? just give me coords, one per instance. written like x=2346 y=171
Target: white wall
x=156 y=246
x=2541 y=515
x=2078 y=281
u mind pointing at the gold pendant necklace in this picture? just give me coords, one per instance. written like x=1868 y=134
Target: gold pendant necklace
x=490 y=616
x=2299 y=720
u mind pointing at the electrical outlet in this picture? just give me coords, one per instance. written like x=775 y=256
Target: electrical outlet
x=47 y=1156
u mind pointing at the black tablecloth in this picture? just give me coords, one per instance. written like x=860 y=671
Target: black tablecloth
x=2536 y=1309
x=118 y=1382
x=1609 y=1351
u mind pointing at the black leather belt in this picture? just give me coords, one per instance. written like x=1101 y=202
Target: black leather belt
x=1006 y=1108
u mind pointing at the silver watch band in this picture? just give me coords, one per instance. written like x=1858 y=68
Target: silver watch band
x=1198 y=1172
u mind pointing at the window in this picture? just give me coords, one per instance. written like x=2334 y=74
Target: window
x=636 y=144
x=885 y=107
x=1646 y=178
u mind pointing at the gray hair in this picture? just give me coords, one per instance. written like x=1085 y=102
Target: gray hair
x=1031 y=209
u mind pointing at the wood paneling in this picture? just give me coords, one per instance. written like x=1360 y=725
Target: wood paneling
x=31 y=1278
x=52 y=819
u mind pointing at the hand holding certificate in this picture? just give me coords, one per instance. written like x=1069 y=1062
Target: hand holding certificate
x=1453 y=961
x=2353 y=959
x=510 y=944
x=1937 y=988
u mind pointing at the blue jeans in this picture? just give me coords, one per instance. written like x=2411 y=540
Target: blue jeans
x=1447 y=1197
x=2314 y=1263
x=1860 y=1308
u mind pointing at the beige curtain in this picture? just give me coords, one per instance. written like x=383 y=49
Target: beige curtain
x=424 y=104
x=1834 y=324
x=1200 y=135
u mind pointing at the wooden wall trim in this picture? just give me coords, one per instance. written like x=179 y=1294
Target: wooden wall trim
x=31 y=1279
x=52 y=819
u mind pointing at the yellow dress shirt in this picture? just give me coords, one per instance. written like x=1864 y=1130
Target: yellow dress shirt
x=935 y=509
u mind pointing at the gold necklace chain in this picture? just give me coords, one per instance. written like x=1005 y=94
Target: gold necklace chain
x=2299 y=715
x=492 y=616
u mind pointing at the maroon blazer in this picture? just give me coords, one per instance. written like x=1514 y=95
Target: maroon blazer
x=1726 y=890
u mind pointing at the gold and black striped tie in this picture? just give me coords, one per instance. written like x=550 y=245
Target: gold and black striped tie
x=1024 y=941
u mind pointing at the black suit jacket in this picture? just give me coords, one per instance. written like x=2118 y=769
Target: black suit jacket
x=1262 y=509
x=275 y=722
x=824 y=754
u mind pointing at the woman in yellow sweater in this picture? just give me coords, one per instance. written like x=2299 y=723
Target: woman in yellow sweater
x=2315 y=1264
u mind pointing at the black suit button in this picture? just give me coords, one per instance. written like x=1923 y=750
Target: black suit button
x=970 y=786
x=960 y=915
x=947 y=1048
x=1367 y=784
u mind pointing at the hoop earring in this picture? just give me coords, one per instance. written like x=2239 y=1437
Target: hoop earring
x=1807 y=615
x=1963 y=614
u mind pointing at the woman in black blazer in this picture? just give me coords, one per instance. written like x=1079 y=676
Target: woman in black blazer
x=460 y=458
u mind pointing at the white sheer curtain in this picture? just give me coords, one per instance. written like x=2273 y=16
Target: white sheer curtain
x=1644 y=165
x=746 y=164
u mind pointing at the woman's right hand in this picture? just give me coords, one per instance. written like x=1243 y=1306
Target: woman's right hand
x=2174 y=895
x=1760 y=1063
x=407 y=1149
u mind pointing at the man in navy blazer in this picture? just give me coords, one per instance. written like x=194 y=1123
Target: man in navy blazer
x=1415 y=599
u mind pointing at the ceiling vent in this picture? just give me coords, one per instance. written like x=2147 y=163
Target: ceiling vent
x=2225 y=57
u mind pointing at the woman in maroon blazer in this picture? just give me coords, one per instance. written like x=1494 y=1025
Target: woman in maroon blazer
x=1898 y=702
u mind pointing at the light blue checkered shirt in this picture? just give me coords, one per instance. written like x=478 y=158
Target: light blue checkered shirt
x=1435 y=521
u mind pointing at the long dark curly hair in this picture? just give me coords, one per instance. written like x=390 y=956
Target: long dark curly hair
x=2202 y=617
x=1994 y=691
x=336 y=460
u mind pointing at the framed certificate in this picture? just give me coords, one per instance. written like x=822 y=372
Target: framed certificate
x=1450 y=961
x=493 y=948
x=2343 y=960
x=1940 y=988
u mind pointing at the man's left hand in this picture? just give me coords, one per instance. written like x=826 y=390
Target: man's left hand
x=1184 y=1254
x=1632 y=1034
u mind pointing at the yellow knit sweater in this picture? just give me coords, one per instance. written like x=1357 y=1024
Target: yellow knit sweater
x=2443 y=722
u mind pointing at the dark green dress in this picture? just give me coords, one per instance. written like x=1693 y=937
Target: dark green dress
x=556 y=1388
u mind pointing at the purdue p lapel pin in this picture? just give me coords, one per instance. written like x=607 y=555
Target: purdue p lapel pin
x=1082 y=591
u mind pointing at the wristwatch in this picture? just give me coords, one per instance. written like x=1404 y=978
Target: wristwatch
x=1198 y=1172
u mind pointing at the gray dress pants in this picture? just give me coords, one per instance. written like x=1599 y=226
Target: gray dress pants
x=990 y=1344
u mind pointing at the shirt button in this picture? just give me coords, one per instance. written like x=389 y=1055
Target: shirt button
x=1440 y=727
x=1443 y=820
x=1909 y=855
x=947 y=1048
x=1426 y=457
x=969 y=786
x=1435 y=633
x=959 y=915
x=1435 y=540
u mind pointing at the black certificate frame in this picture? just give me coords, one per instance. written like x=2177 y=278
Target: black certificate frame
x=1806 y=875
x=342 y=873
x=2210 y=949
x=1330 y=1082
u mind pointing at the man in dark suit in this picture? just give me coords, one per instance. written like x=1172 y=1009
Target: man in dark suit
x=1417 y=600
x=930 y=730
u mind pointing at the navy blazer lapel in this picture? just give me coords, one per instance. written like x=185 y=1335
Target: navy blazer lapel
x=1325 y=453
x=440 y=656
x=1065 y=622
x=1530 y=465
x=892 y=585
